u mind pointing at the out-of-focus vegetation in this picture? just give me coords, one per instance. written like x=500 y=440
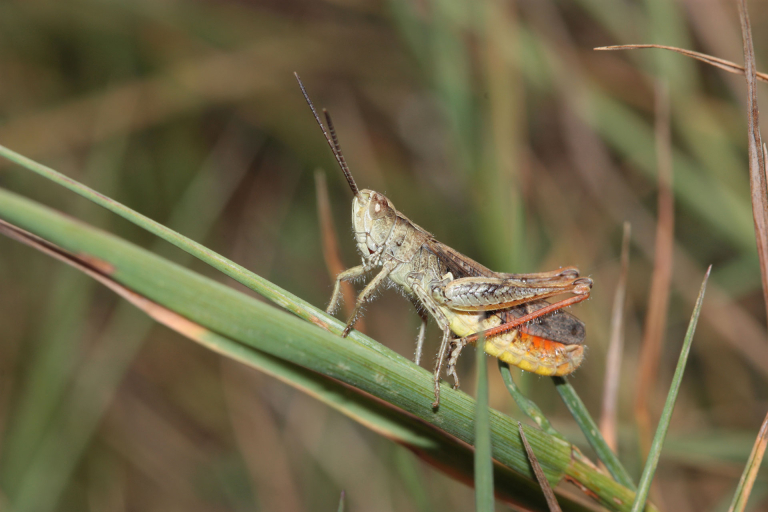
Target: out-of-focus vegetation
x=492 y=124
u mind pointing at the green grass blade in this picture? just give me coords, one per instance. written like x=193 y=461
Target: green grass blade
x=341 y=503
x=591 y=432
x=413 y=479
x=483 y=461
x=53 y=354
x=97 y=378
x=669 y=406
x=379 y=372
x=527 y=406
x=240 y=274
x=437 y=447
x=744 y=489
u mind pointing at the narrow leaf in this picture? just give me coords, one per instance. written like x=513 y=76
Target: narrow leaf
x=591 y=432
x=240 y=274
x=483 y=460
x=666 y=415
x=93 y=385
x=527 y=406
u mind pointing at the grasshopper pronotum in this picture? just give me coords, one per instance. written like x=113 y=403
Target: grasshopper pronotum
x=466 y=299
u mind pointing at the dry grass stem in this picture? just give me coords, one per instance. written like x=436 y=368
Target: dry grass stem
x=658 y=298
x=723 y=64
x=750 y=474
x=757 y=171
x=615 y=349
x=549 y=494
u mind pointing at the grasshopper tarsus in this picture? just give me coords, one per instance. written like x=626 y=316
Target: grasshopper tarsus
x=466 y=299
x=436 y=403
x=452 y=373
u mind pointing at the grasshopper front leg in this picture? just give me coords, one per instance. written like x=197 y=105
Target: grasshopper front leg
x=348 y=275
x=367 y=292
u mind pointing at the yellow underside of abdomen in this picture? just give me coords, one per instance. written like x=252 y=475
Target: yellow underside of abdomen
x=528 y=352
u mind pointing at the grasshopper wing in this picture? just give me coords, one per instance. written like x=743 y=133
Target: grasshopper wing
x=457 y=264
x=504 y=290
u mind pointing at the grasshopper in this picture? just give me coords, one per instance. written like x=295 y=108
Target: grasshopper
x=467 y=300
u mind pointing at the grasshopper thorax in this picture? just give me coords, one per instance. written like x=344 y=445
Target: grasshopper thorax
x=374 y=218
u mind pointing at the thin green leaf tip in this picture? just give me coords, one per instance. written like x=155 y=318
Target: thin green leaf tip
x=669 y=406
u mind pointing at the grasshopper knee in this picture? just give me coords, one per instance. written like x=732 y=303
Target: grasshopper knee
x=582 y=286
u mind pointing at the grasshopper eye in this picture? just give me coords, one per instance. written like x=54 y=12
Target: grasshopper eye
x=378 y=207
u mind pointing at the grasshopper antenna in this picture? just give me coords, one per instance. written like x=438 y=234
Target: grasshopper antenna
x=332 y=140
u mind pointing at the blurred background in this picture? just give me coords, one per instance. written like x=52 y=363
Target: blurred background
x=492 y=124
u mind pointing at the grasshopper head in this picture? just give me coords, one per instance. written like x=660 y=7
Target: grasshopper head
x=373 y=218
x=373 y=215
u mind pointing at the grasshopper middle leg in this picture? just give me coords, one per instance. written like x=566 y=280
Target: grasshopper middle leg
x=424 y=316
x=439 y=365
x=442 y=322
